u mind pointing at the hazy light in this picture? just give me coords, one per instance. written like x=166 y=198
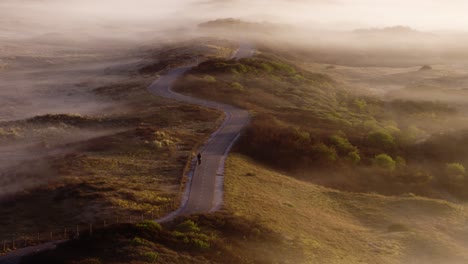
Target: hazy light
x=329 y=14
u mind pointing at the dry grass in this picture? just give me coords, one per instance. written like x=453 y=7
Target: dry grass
x=341 y=227
x=118 y=176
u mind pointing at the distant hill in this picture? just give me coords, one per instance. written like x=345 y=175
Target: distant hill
x=391 y=31
x=240 y=25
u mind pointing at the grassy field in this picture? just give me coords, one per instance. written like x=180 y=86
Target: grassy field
x=342 y=227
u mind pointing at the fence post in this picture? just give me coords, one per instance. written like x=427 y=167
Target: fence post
x=4 y=245
x=77 y=231
x=65 y=233
x=91 y=229
x=13 y=243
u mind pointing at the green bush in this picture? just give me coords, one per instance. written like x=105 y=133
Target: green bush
x=283 y=68
x=384 y=161
x=455 y=169
x=360 y=104
x=412 y=134
x=237 y=87
x=200 y=244
x=455 y=172
x=150 y=256
x=324 y=153
x=149 y=225
x=342 y=144
x=188 y=226
x=139 y=241
x=266 y=67
x=209 y=78
x=353 y=157
x=400 y=162
x=381 y=139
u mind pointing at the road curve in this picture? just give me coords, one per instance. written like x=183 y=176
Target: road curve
x=204 y=192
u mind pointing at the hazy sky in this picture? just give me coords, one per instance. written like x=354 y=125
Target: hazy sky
x=335 y=14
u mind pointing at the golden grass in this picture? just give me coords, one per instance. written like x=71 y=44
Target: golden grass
x=341 y=227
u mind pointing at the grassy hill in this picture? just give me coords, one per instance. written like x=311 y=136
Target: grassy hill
x=343 y=227
x=270 y=217
x=321 y=130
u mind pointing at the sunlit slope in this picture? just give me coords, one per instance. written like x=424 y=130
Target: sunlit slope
x=341 y=227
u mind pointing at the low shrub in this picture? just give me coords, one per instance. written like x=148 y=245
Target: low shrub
x=381 y=140
x=150 y=226
x=150 y=256
x=455 y=169
x=237 y=87
x=209 y=78
x=187 y=226
x=353 y=157
x=384 y=161
x=200 y=244
x=139 y=241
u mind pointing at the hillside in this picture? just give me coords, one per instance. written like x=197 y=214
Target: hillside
x=342 y=227
x=321 y=130
x=271 y=218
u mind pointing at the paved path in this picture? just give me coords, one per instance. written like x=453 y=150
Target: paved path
x=205 y=190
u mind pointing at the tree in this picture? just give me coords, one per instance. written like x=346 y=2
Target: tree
x=384 y=161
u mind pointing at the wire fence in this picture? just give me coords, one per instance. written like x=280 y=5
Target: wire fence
x=18 y=240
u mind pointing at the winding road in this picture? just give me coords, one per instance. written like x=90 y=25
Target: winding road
x=204 y=193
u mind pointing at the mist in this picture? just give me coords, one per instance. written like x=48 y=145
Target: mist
x=323 y=26
x=128 y=18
